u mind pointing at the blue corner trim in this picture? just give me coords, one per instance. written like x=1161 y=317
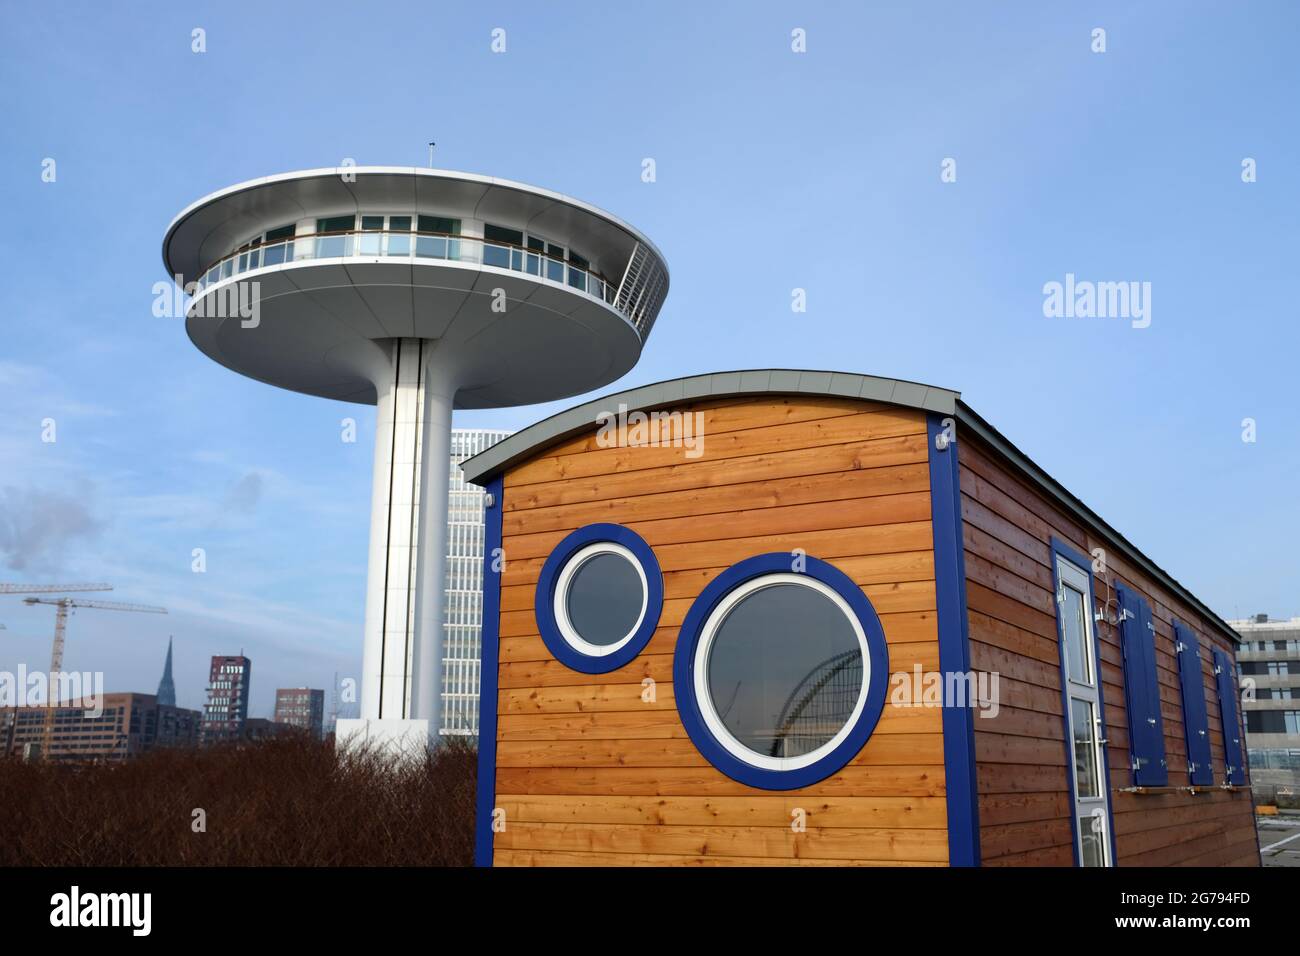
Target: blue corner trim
x=544 y=601
x=688 y=707
x=1084 y=564
x=487 y=696
x=954 y=649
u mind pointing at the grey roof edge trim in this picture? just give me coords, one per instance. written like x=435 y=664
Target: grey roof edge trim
x=1074 y=506
x=526 y=443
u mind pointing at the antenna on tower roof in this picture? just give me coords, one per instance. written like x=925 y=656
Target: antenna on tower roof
x=431 y=145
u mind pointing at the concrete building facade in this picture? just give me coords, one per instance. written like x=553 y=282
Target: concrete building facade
x=1269 y=668
x=126 y=725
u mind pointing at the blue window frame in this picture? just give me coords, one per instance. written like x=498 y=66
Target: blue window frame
x=845 y=692
x=599 y=598
x=1146 y=734
x=1225 y=674
x=1196 y=721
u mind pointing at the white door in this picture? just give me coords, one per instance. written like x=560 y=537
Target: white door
x=1086 y=734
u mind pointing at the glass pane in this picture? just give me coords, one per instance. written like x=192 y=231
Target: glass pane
x=496 y=256
x=331 y=246
x=252 y=258
x=1075 y=636
x=1087 y=784
x=431 y=247
x=554 y=270
x=283 y=232
x=399 y=223
x=500 y=234
x=336 y=224
x=784 y=670
x=1092 y=852
x=368 y=243
x=577 y=279
x=227 y=268
x=399 y=244
x=604 y=599
x=372 y=222
x=273 y=255
x=533 y=264
x=439 y=224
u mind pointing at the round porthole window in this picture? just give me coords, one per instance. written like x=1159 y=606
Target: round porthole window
x=598 y=598
x=784 y=671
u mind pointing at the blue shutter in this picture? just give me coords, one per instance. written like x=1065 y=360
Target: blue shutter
x=1226 y=678
x=1146 y=732
x=1196 y=721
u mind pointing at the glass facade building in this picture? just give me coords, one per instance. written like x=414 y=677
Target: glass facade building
x=464 y=608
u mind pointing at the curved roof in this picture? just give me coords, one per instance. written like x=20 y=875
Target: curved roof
x=524 y=444
x=927 y=398
x=216 y=224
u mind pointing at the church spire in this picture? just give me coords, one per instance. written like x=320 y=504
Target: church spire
x=166 y=689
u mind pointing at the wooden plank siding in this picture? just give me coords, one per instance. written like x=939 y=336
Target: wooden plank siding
x=590 y=773
x=1007 y=526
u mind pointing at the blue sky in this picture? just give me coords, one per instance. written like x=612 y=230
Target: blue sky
x=775 y=171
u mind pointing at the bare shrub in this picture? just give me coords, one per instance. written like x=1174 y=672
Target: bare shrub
x=286 y=801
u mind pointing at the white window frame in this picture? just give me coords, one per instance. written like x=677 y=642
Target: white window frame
x=701 y=674
x=560 y=603
x=1093 y=812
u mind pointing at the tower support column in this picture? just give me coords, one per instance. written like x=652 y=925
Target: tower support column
x=427 y=664
x=401 y=657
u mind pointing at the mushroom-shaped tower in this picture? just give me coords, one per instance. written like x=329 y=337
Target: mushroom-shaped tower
x=420 y=291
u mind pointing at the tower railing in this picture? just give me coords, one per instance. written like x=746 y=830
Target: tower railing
x=406 y=246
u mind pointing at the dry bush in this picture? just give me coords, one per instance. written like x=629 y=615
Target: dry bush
x=287 y=801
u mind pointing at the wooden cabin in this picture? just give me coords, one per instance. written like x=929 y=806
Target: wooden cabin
x=728 y=620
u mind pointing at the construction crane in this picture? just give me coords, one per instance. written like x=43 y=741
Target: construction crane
x=56 y=655
x=61 y=620
x=51 y=588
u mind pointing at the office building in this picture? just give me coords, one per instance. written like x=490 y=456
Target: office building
x=227 y=707
x=464 y=606
x=301 y=707
x=128 y=724
x=1269 y=663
